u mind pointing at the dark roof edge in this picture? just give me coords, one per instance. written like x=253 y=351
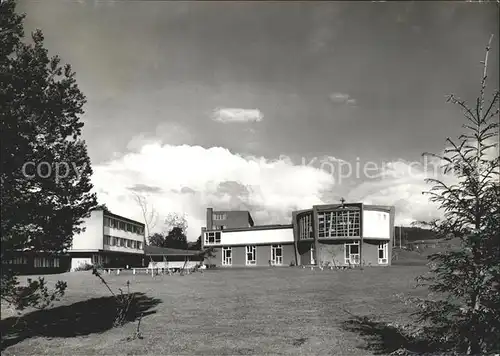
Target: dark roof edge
x=116 y=216
x=387 y=208
x=253 y=228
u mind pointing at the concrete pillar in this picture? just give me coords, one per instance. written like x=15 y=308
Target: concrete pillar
x=315 y=225
x=296 y=238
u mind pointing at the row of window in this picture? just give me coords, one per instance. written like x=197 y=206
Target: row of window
x=121 y=242
x=352 y=252
x=46 y=262
x=42 y=262
x=219 y=227
x=212 y=238
x=219 y=216
x=341 y=223
x=305 y=227
x=122 y=225
x=251 y=255
x=17 y=261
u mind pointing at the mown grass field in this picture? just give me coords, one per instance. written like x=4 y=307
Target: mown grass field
x=222 y=312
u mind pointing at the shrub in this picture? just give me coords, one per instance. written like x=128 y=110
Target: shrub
x=84 y=267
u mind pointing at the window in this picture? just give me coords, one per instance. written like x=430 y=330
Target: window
x=95 y=259
x=121 y=225
x=276 y=255
x=305 y=227
x=121 y=242
x=129 y=243
x=383 y=252
x=21 y=260
x=107 y=240
x=339 y=223
x=251 y=255
x=212 y=238
x=130 y=227
x=227 y=259
x=219 y=216
x=112 y=223
x=352 y=255
x=46 y=262
x=107 y=222
x=139 y=245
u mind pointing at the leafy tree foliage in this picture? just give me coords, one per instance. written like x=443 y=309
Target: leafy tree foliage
x=176 y=239
x=196 y=245
x=157 y=240
x=102 y=207
x=465 y=315
x=45 y=169
x=174 y=220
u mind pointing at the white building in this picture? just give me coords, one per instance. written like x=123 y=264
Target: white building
x=110 y=240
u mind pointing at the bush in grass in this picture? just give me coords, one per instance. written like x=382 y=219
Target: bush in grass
x=84 y=267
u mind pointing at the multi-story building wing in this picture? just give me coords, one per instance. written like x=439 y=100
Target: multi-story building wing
x=345 y=234
x=228 y=219
x=252 y=246
x=337 y=234
x=108 y=239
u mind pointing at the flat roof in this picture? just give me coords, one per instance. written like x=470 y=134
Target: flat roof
x=116 y=216
x=254 y=228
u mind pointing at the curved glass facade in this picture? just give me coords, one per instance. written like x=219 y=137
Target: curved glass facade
x=339 y=223
x=305 y=226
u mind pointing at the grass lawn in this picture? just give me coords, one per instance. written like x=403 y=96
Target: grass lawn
x=221 y=312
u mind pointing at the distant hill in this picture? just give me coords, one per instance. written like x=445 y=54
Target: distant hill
x=411 y=233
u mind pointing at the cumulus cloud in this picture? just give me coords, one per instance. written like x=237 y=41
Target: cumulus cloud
x=237 y=115
x=143 y=188
x=166 y=132
x=342 y=98
x=401 y=183
x=213 y=177
x=188 y=179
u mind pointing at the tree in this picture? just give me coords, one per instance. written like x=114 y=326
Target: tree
x=102 y=207
x=207 y=254
x=149 y=213
x=467 y=314
x=176 y=239
x=196 y=245
x=45 y=169
x=174 y=220
x=157 y=240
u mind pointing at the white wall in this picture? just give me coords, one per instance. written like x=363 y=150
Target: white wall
x=257 y=237
x=92 y=237
x=123 y=249
x=376 y=224
x=79 y=262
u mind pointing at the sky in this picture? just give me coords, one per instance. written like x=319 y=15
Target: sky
x=264 y=106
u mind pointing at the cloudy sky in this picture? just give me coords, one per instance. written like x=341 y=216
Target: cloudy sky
x=265 y=105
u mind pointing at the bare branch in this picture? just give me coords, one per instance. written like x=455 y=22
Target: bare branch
x=150 y=216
